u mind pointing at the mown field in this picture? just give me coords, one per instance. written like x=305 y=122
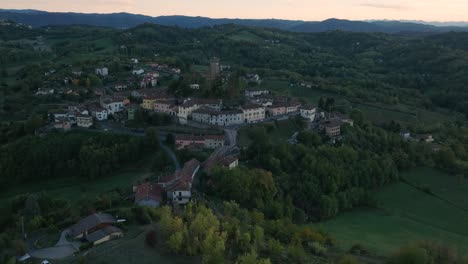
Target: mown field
x=408 y=214
x=279 y=131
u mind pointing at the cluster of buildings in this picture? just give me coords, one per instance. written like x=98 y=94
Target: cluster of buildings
x=176 y=188
x=84 y=115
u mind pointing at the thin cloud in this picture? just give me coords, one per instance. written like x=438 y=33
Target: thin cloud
x=384 y=6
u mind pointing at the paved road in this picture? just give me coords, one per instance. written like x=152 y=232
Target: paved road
x=62 y=249
x=231 y=135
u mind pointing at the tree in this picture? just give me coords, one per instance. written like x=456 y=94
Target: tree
x=252 y=258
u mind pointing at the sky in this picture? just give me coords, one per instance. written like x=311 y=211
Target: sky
x=312 y=10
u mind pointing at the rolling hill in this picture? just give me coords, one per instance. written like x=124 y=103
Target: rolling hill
x=125 y=20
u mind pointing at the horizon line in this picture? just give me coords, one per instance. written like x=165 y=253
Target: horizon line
x=299 y=20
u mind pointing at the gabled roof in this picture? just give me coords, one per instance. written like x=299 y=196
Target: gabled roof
x=90 y=222
x=148 y=191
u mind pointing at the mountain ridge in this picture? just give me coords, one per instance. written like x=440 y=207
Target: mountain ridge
x=37 y=18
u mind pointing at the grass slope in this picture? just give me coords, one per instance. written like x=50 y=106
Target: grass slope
x=406 y=215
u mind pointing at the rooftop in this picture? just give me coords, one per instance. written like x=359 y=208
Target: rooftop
x=90 y=222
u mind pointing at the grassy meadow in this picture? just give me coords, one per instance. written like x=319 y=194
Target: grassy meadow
x=407 y=214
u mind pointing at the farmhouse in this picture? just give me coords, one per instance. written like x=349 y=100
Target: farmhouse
x=91 y=224
x=148 y=194
x=179 y=185
x=105 y=234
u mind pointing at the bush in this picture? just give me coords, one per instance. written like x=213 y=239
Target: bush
x=151 y=239
x=358 y=249
x=317 y=248
x=86 y=246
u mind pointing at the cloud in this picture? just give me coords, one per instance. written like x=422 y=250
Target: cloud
x=384 y=6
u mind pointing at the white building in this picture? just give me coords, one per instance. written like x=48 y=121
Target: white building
x=308 y=112
x=133 y=60
x=138 y=72
x=218 y=118
x=195 y=86
x=102 y=71
x=255 y=92
x=45 y=91
x=112 y=104
x=98 y=112
x=190 y=105
x=253 y=113
x=84 y=121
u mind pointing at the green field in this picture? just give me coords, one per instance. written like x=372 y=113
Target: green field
x=406 y=214
x=281 y=132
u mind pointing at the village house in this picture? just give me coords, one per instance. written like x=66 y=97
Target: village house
x=113 y=104
x=134 y=61
x=148 y=82
x=138 y=72
x=102 y=71
x=424 y=138
x=208 y=141
x=148 y=194
x=253 y=113
x=62 y=123
x=149 y=92
x=343 y=118
x=77 y=72
x=194 y=86
x=45 y=91
x=148 y=102
x=229 y=162
x=185 y=110
x=308 y=112
x=218 y=118
x=264 y=100
x=167 y=106
x=292 y=107
x=97 y=112
x=179 y=185
x=84 y=121
x=276 y=109
x=255 y=92
x=120 y=87
x=333 y=128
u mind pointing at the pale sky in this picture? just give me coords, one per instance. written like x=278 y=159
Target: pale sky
x=428 y=10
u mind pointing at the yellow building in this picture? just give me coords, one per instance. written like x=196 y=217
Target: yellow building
x=148 y=103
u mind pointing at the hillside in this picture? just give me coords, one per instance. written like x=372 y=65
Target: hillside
x=126 y=20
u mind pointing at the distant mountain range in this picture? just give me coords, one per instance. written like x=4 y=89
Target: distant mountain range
x=37 y=18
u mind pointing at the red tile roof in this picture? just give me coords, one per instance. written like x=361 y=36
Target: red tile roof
x=148 y=191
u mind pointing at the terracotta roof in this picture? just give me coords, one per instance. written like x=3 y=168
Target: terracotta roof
x=251 y=106
x=308 y=107
x=90 y=222
x=182 y=179
x=148 y=191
